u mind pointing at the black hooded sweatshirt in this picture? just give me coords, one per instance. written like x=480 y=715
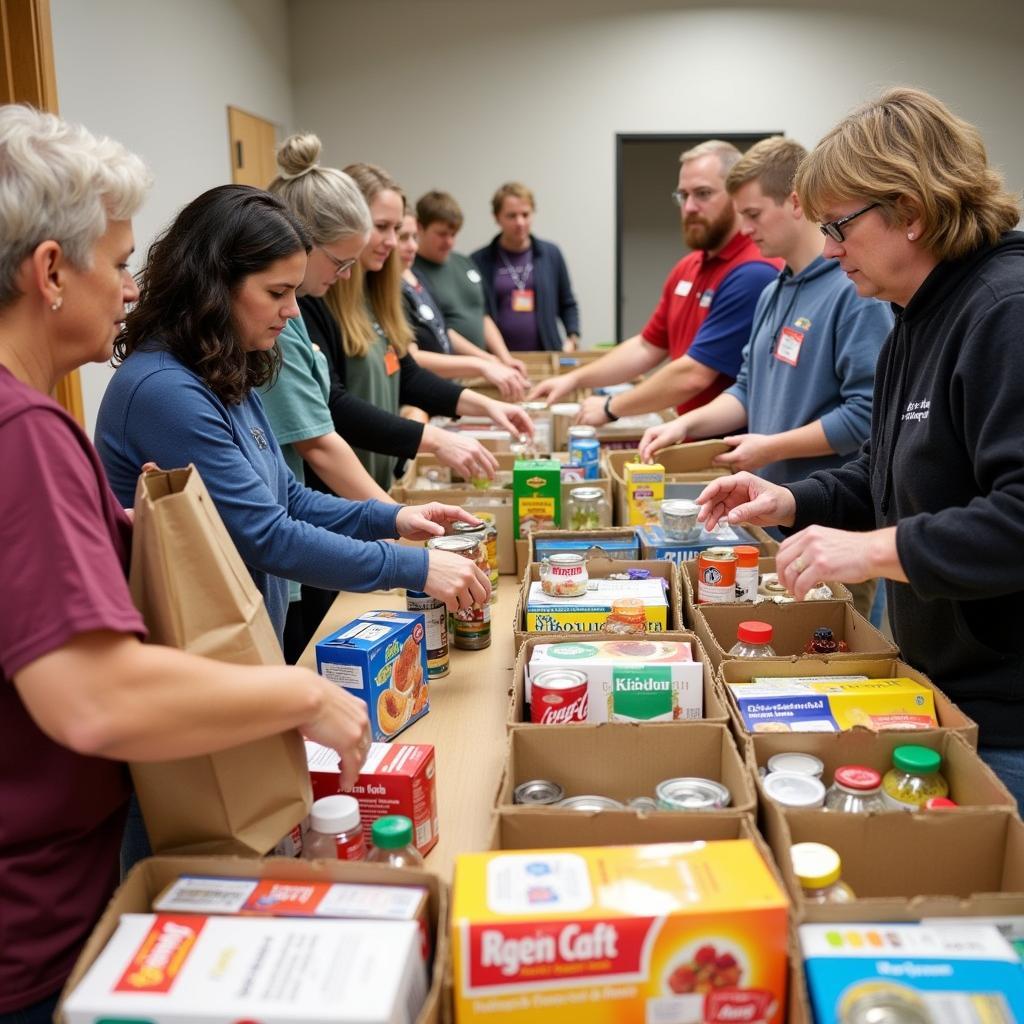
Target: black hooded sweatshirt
x=945 y=465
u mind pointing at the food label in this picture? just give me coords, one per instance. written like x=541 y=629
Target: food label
x=536 y=496
x=641 y=694
x=645 y=489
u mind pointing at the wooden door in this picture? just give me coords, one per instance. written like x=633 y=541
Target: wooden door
x=253 y=148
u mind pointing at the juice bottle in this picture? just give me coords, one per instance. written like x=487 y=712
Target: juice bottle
x=819 y=871
x=392 y=843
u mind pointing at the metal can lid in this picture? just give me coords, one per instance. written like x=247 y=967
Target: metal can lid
x=680 y=507
x=535 y=406
x=797 y=763
x=538 y=791
x=774 y=587
x=643 y=803
x=858 y=777
x=586 y=493
x=458 y=545
x=590 y=802
x=582 y=430
x=793 y=790
x=559 y=678
x=718 y=555
x=686 y=794
x=461 y=529
x=565 y=558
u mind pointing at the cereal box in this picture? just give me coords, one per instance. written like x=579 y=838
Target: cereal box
x=630 y=680
x=832 y=704
x=590 y=611
x=683 y=933
x=536 y=496
x=380 y=658
x=645 y=489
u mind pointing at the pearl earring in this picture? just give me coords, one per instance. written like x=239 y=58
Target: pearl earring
x=57 y=303
x=911 y=236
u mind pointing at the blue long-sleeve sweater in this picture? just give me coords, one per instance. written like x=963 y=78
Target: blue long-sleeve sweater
x=155 y=409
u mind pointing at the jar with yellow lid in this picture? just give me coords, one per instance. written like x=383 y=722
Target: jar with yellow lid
x=913 y=779
x=819 y=871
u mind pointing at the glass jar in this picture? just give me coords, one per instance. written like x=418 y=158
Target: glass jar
x=336 y=830
x=819 y=871
x=392 y=843
x=564 y=575
x=855 y=789
x=492 y=550
x=914 y=778
x=588 y=509
x=824 y=642
x=541 y=416
x=679 y=519
x=628 y=615
x=753 y=640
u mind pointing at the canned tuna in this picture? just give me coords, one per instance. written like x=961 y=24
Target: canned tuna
x=538 y=792
x=691 y=794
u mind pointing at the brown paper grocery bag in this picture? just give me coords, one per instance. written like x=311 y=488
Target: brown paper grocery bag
x=196 y=594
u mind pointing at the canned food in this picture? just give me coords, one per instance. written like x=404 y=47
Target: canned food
x=435 y=618
x=716 y=576
x=748 y=560
x=679 y=519
x=643 y=803
x=470 y=628
x=580 y=430
x=792 y=790
x=587 y=452
x=559 y=696
x=883 y=1002
x=492 y=550
x=691 y=794
x=591 y=803
x=538 y=793
x=564 y=574
x=797 y=764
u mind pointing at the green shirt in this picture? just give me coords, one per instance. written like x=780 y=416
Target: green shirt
x=458 y=290
x=367 y=378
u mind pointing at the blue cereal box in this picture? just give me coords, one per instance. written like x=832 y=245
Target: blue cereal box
x=654 y=543
x=381 y=658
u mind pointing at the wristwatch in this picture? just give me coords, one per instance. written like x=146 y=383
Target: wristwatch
x=611 y=417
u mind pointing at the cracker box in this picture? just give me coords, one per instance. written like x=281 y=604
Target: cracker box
x=380 y=658
x=654 y=543
x=832 y=704
x=619 y=935
x=397 y=778
x=645 y=490
x=630 y=680
x=536 y=496
x=590 y=611
x=193 y=969
x=967 y=973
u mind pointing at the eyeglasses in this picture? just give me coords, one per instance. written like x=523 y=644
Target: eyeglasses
x=834 y=228
x=340 y=266
x=699 y=195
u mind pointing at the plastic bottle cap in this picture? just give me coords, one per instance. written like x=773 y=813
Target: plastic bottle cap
x=793 y=790
x=815 y=865
x=858 y=777
x=754 y=632
x=939 y=803
x=747 y=556
x=392 y=832
x=796 y=764
x=823 y=633
x=333 y=814
x=917 y=760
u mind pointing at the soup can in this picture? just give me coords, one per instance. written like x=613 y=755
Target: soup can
x=716 y=576
x=470 y=628
x=590 y=802
x=538 y=793
x=559 y=696
x=691 y=794
x=587 y=452
x=435 y=618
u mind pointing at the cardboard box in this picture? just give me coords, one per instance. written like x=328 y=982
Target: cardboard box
x=654 y=543
x=148 y=878
x=397 y=778
x=590 y=611
x=619 y=934
x=793 y=625
x=714 y=708
x=622 y=761
x=536 y=496
x=743 y=670
x=625 y=433
x=381 y=658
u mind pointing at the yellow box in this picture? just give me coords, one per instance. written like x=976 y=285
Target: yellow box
x=590 y=611
x=645 y=489
x=619 y=935
x=831 y=704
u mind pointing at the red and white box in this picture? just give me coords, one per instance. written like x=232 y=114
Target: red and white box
x=397 y=778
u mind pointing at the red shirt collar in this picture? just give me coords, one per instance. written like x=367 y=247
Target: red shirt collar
x=733 y=248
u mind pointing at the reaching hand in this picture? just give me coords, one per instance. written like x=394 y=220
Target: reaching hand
x=466 y=455
x=518 y=365
x=554 y=389
x=745 y=498
x=456 y=580
x=509 y=417
x=343 y=725
x=507 y=379
x=749 y=451
x=821 y=553
x=656 y=438
x=592 y=412
x=421 y=522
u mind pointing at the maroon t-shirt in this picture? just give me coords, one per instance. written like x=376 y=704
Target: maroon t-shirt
x=64 y=546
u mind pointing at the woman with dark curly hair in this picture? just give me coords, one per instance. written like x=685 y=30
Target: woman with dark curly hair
x=217 y=290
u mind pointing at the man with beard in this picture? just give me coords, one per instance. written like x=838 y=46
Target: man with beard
x=703 y=319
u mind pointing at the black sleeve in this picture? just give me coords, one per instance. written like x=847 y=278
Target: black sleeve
x=840 y=498
x=426 y=390
x=568 y=310
x=485 y=266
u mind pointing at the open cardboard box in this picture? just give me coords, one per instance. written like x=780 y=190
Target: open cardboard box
x=151 y=876
x=526 y=550
x=743 y=670
x=599 y=568
x=621 y=761
x=715 y=709
x=793 y=625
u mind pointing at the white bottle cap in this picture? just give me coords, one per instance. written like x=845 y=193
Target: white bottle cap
x=792 y=790
x=796 y=764
x=334 y=814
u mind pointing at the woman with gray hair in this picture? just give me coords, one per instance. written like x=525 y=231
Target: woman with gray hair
x=79 y=692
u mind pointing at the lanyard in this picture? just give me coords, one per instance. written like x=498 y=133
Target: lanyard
x=518 y=279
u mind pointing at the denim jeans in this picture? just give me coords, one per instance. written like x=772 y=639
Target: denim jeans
x=37 y=1013
x=1008 y=764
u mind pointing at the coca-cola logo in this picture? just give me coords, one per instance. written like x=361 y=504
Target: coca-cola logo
x=572 y=711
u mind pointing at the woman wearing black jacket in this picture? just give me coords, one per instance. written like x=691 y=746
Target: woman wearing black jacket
x=935 y=503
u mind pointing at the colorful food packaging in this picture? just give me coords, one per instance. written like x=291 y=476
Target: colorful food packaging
x=590 y=611
x=619 y=935
x=627 y=548
x=536 y=496
x=381 y=658
x=645 y=489
x=654 y=543
x=629 y=680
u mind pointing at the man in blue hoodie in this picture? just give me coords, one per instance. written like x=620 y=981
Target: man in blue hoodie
x=804 y=389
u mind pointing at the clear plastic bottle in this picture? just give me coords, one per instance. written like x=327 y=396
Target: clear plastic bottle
x=336 y=830
x=819 y=871
x=753 y=640
x=856 y=789
x=392 y=843
x=914 y=778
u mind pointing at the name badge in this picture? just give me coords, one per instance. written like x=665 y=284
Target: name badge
x=426 y=312
x=788 y=348
x=706 y=297
x=522 y=300
x=683 y=288
x=391 y=361
x=474 y=276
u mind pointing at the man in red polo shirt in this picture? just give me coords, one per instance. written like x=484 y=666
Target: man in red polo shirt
x=703 y=319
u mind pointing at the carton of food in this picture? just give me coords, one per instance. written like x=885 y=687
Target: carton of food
x=645 y=680
x=654 y=543
x=536 y=496
x=645 y=489
x=381 y=658
x=619 y=935
x=590 y=611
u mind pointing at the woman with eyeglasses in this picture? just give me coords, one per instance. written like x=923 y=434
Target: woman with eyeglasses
x=916 y=216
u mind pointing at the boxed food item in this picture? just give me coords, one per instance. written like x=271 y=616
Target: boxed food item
x=397 y=778
x=170 y=968
x=646 y=680
x=654 y=543
x=832 y=703
x=381 y=658
x=905 y=972
x=645 y=489
x=614 y=542
x=625 y=934
x=590 y=611
x=536 y=496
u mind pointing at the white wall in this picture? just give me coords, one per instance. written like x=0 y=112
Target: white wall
x=465 y=94
x=158 y=76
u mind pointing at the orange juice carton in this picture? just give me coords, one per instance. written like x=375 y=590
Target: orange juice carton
x=647 y=680
x=192 y=969
x=397 y=778
x=381 y=658
x=645 y=489
x=682 y=933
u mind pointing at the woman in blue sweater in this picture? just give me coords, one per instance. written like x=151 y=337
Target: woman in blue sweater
x=218 y=289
